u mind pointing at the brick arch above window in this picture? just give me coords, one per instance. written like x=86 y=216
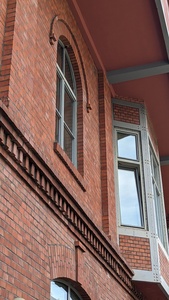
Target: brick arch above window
x=75 y=66
x=75 y=286
x=53 y=38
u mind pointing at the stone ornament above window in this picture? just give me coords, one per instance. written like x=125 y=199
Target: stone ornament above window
x=52 y=37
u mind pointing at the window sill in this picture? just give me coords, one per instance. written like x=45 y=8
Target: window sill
x=132 y=231
x=69 y=165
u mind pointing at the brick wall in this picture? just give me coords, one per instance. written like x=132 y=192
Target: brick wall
x=126 y=114
x=164 y=263
x=2 y=24
x=34 y=239
x=7 y=47
x=107 y=160
x=32 y=92
x=38 y=237
x=152 y=136
x=136 y=251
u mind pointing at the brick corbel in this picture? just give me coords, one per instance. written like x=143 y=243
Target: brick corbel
x=5 y=101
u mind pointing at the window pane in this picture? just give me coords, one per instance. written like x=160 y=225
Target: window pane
x=156 y=172
x=58 y=291
x=58 y=96
x=129 y=198
x=68 y=143
x=159 y=211
x=127 y=146
x=58 y=128
x=60 y=56
x=68 y=110
x=68 y=73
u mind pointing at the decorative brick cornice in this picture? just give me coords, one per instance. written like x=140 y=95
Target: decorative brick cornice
x=19 y=154
x=69 y=165
x=5 y=101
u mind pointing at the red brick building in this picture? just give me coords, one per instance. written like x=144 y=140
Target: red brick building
x=84 y=104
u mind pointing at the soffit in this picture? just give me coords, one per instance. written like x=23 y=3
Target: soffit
x=151 y=290
x=132 y=34
x=126 y=34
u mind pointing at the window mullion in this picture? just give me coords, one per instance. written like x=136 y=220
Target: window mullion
x=68 y=130
x=67 y=85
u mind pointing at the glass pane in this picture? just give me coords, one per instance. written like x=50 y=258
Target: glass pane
x=68 y=143
x=73 y=296
x=159 y=211
x=129 y=198
x=58 y=291
x=58 y=95
x=127 y=146
x=155 y=169
x=60 y=56
x=156 y=172
x=68 y=110
x=68 y=73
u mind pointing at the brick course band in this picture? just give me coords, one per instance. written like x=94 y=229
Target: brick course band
x=126 y=114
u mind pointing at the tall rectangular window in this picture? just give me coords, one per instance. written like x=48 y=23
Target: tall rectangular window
x=158 y=199
x=129 y=179
x=66 y=105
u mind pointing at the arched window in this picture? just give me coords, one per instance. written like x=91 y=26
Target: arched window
x=66 y=104
x=62 y=291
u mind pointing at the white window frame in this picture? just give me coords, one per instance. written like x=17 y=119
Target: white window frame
x=61 y=124
x=131 y=164
x=150 y=231
x=159 y=208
